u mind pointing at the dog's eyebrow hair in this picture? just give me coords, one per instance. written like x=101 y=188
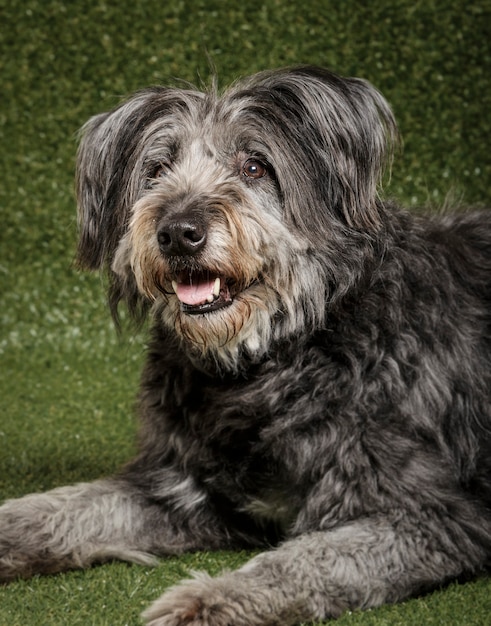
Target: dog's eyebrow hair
x=251 y=143
x=167 y=147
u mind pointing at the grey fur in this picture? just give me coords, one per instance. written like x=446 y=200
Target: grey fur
x=332 y=398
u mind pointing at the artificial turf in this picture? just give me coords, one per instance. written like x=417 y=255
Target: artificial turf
x=67 y=383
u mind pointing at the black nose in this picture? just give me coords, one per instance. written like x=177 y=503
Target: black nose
x=181 y=236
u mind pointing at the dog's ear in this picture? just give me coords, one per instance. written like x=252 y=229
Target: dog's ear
x=336 y=133
x=93 y=175
x=103 y=175
x=108 y=179
x=108 y=182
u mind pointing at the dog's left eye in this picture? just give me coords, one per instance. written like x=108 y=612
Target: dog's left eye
x=254 y=169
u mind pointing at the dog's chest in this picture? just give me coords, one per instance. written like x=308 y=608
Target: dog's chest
x=234 y=435
x=274 y=507
x=253 y=481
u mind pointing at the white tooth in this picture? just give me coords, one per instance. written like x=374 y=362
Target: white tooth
x=174 y=286
x=216 y=288
x=210 y=298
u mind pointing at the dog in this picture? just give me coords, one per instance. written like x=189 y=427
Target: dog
x=318 y=380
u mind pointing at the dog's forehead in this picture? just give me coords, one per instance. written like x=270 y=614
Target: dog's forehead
x=206 y=127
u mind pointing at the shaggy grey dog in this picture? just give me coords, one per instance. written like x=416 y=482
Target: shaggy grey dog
x=319 y=374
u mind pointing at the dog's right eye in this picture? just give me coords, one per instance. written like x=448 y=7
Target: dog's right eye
x=162 y=170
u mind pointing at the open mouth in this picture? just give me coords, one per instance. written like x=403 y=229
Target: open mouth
x=201 y=292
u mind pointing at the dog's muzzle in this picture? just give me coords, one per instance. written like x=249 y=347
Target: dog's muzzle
x=181 y=238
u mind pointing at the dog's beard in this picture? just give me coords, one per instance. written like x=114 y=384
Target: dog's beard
x=244 y=324
x=239 y=319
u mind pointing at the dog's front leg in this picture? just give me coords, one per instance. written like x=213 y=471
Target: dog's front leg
x=73 y=527
x=320 y=575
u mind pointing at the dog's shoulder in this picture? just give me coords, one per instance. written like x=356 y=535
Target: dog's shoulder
x=459 y=242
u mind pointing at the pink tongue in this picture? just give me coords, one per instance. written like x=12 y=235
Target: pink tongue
x=197 y=292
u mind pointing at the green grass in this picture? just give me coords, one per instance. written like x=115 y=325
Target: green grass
x=67 y=384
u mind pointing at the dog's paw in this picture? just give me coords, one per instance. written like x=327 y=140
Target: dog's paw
x=204 y=601
x=230 y=599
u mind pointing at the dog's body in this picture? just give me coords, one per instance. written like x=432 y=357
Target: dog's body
x=319 y=374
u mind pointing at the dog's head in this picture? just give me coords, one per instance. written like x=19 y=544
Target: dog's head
x=234 y=215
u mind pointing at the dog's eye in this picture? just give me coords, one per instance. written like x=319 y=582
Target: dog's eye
x=254 y=169
x=162 y=169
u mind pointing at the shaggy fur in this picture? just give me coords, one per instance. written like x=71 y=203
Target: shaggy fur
x=319 y=375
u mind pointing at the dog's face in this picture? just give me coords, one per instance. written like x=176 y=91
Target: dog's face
x=230 y=214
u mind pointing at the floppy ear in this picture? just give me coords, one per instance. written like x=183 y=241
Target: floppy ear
x=110 y=150
x=341 y=131
x=93 y=175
